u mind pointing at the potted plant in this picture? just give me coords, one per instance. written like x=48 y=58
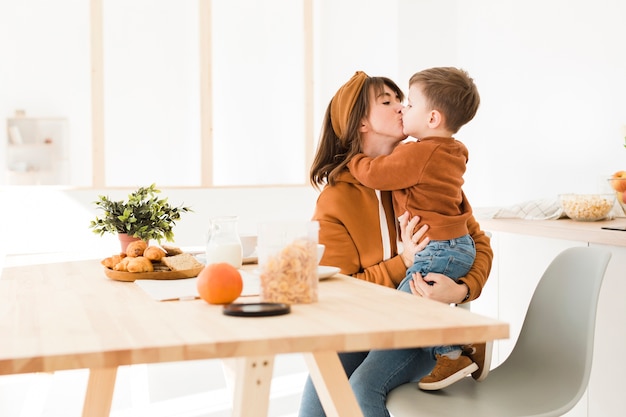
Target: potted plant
x=142 y=216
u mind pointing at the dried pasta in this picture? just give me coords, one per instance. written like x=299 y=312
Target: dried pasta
x=290 y=276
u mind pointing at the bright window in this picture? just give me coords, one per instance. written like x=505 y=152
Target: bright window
x=255 y=130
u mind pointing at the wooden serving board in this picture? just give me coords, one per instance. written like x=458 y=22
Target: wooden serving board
x=132 y=276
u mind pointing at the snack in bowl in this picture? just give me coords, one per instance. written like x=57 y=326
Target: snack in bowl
x=587 y=207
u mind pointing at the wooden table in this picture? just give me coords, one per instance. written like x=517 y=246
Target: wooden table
x=69 y=315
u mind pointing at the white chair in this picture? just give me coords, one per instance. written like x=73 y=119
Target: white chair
x=548 y=369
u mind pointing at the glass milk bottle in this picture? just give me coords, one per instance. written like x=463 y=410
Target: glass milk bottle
x=223 y=244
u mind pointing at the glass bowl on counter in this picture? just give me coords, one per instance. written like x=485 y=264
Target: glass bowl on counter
x=619 y=186
x=587 y=207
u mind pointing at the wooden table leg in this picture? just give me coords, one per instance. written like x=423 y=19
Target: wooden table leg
x=253 y=379
x=99 y=392
x=331 y=384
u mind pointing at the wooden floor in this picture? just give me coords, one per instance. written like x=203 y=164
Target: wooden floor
x=188 y=389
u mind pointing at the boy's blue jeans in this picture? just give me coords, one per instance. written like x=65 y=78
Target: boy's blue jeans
x=453 y=258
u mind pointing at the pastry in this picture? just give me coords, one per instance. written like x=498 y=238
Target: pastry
x=111 y=261
x=136 y=248
x=154 y=253
x=122 y=265
x=139 y=264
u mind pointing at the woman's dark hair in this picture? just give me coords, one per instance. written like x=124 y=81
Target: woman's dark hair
x=333 y=153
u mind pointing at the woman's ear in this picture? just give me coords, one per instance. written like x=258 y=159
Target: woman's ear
x=364 y=126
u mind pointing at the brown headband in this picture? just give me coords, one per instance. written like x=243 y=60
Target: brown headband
x=343 y=102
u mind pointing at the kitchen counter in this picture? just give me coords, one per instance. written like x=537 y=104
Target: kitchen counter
x=567 y=229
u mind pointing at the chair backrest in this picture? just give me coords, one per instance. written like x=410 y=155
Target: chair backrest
x=555 y=344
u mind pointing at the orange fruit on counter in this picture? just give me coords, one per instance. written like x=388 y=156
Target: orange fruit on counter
x=219 y=283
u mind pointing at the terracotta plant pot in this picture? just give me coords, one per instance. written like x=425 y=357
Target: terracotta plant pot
x=125 y=240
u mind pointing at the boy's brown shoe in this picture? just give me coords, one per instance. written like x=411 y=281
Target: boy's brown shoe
x=446 y=372
x=480 y=353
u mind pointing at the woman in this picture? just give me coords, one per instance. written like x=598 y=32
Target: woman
x=357 y=226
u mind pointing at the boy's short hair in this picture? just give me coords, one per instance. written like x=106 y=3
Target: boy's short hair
x=451 y=91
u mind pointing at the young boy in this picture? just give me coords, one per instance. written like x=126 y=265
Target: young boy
x=426 y=179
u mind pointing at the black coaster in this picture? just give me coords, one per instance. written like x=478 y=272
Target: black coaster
x=256 y=309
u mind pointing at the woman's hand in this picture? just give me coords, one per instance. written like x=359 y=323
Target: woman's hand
x=411 y=242
x=438 y=287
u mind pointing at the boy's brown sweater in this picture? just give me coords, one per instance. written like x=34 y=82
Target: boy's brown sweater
x=348 y=213
x=426 y=179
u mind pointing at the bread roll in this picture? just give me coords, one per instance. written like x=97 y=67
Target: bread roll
x=122 y=265
x=139 y=264
x=154 y=253
x=111 y=261
x=136 y=248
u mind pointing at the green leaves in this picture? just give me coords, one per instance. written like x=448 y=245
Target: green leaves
x=143 y=215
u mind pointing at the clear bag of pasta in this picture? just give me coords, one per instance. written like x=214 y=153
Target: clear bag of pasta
x=288 y=261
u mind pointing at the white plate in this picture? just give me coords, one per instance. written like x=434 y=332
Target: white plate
x=249 y=260
x=324 y=272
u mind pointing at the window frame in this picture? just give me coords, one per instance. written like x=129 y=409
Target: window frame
x=206 y=100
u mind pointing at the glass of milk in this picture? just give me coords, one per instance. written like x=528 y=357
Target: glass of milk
x=223 y=243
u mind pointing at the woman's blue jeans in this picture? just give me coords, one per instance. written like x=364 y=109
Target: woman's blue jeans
x=372 y=375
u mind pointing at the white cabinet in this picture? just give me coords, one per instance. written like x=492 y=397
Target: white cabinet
x=522 y=251
x=606 y=384
x=37 y=151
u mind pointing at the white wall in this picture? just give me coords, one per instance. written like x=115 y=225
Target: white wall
x=44 y=50
x=353 y=35
x=56 y=219
x=552 y=77
x=554 y=116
